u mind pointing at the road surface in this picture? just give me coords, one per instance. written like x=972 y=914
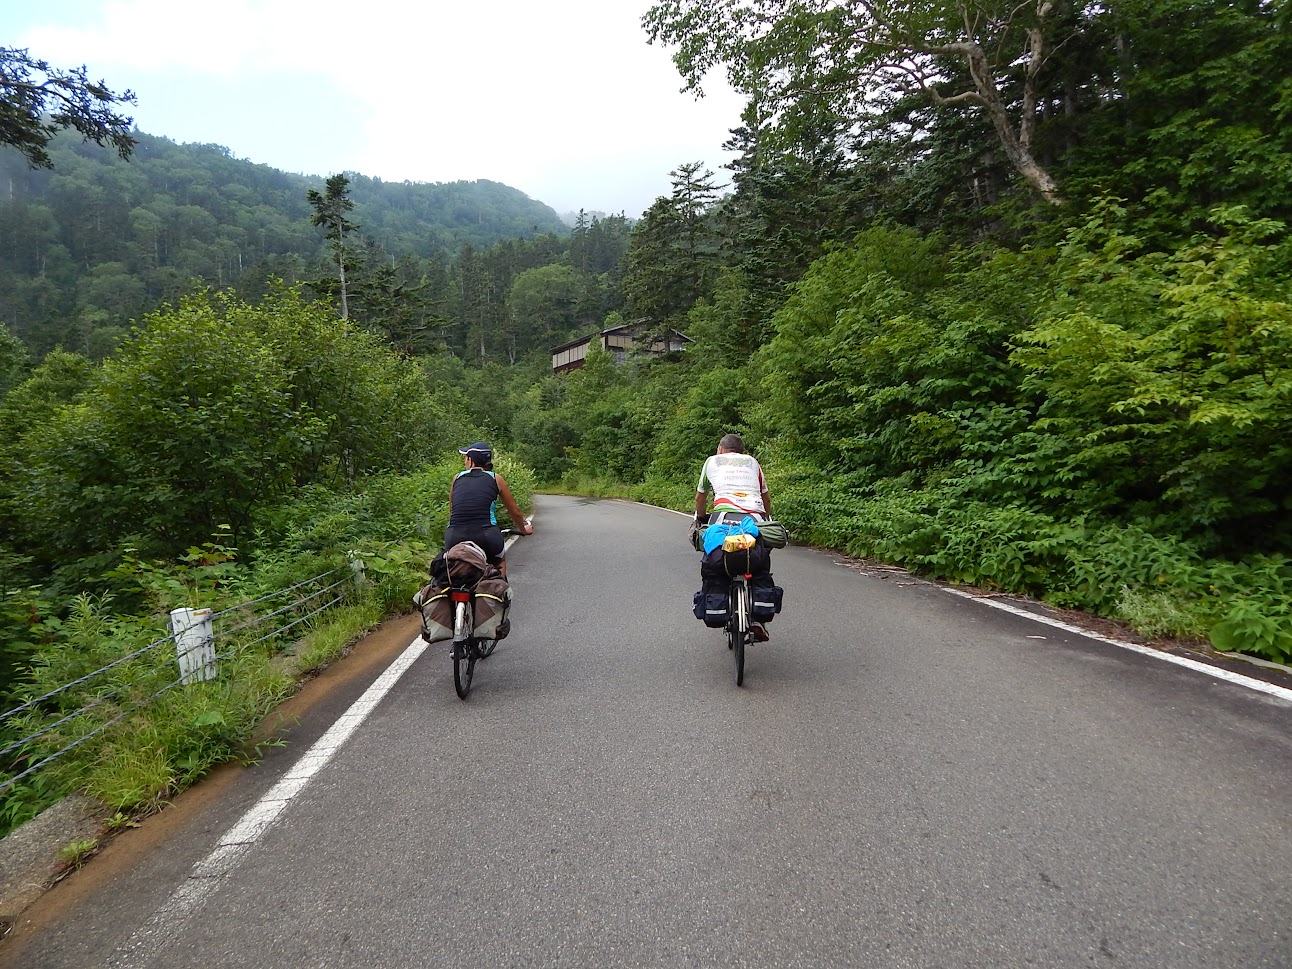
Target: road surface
x=907 y=779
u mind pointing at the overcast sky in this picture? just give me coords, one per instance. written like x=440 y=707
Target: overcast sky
x=564 y=99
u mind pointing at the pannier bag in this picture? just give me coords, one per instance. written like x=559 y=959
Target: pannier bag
x=764 y=598
x=437 y=611
x=465 y=563
x=712 y=604
x=719 y=563
x=492 y=606
x=464 y=566
x=774 y=534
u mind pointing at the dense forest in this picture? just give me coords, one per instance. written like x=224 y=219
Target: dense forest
x=96 y=240
x=999 y=293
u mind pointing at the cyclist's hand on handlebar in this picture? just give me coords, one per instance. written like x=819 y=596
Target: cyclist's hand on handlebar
x=526 y=528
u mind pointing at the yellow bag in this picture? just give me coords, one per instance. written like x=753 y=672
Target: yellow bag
x=738 y=542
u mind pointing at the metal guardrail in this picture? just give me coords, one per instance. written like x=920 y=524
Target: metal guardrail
x=202 y=639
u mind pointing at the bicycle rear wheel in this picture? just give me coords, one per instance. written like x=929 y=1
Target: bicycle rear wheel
x=740 y=626
x=464 y=652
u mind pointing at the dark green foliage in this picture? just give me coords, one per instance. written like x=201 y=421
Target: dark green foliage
x=23 y=611
x=711 y=406
x=213 y=409
x=675 y=253
x=851 y=328
x=1167 y=373
x=13 y=359
x=1201 y=117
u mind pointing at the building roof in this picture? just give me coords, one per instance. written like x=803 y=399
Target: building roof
x=612 y=329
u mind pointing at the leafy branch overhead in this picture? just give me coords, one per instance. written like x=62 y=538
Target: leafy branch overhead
x=799 y=61
x=37 y=100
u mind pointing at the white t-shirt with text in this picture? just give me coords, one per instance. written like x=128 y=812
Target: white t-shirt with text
x=736 y=481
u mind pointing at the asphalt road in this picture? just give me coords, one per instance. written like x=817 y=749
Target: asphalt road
x=907 y=779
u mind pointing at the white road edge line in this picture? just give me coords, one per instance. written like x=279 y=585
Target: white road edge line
x=205 y=877
x=1250 y=682
x=1222 y=674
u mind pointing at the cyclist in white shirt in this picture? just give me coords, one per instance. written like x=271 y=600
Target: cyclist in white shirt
x=739 y=489
x=736 y=480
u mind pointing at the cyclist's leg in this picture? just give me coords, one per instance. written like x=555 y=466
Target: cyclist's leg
x=488 y=537
x=495 y=547
x=759 y=629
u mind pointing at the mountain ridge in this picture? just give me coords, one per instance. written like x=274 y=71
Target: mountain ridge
x=98 y=240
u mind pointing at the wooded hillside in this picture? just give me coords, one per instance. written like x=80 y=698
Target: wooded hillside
x=97 y=240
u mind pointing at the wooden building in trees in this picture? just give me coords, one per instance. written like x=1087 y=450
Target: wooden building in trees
x=619 y=341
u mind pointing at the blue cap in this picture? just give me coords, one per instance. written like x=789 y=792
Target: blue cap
x=479 y=452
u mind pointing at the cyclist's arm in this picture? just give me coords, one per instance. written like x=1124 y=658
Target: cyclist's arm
x=767 y=504
x=702 y=492
x=513 y=509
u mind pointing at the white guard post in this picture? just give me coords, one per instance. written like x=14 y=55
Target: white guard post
x=194 y=644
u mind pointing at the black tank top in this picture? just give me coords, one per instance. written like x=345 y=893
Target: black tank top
x=474 y=494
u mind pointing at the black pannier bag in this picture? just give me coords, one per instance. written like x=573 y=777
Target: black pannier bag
x=755 y=560
x=712 y=604
x=764 y=598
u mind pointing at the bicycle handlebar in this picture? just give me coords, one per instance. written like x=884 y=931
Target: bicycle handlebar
x=514 y=530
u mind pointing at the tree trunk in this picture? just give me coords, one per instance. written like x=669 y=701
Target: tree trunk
x=340 y=265
x=1016 y=146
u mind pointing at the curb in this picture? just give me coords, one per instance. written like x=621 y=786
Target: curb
x=30 y=856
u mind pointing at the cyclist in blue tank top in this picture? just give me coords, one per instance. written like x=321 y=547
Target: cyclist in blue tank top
x=473 y=503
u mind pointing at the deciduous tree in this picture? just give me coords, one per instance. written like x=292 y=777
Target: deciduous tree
x=799 y=60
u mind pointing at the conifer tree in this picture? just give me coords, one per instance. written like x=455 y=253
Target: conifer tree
x=330 y=210
x=37 y=100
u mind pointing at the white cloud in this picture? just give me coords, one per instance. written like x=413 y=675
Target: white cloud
x=564 y=100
